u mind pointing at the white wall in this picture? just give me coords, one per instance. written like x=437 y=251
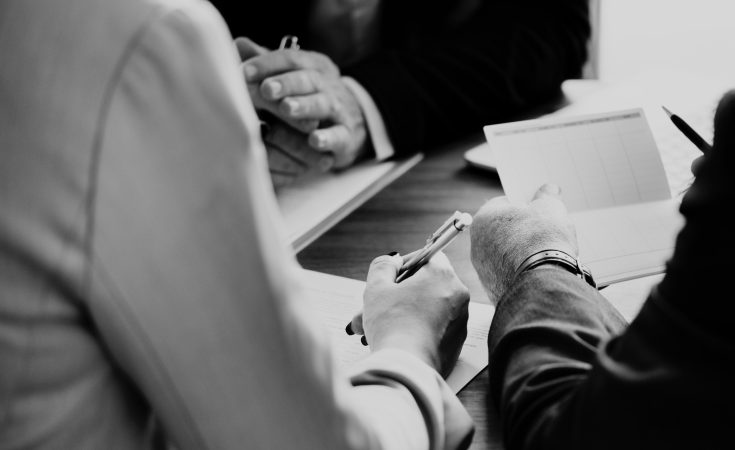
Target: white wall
x=637 y=35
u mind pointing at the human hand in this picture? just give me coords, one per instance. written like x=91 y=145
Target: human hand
x=425 y=314
x=290 y=157
x=697 y=164
x=504 y=235
x=723 y=123
x=304 y=89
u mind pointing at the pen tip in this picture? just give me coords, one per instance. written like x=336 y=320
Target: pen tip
x=667 y=111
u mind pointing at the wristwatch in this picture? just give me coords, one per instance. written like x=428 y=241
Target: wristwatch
x=558 y=258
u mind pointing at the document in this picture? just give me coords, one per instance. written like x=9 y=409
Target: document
x=612 y=180
x=335 y=301
x=312 y=206
x=693 y=96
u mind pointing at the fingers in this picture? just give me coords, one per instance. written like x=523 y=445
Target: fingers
x=297 y=82
x=247 y=49
x=437 y=267
x=289 y=153
x=314 y=106
x=547 y=190
x=383 y=269
x=355 y=326
x=336 y=139
x=547 y=200
x=281 y=61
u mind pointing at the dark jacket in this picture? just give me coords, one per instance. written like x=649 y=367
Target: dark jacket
x=566 y=373
x=445 y=68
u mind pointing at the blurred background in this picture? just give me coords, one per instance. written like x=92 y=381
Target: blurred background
x=693 y=35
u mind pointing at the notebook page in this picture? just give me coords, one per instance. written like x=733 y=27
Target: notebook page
x=311 y=206
x=598 y=160
x=612 y=180
x=335 y=300
x=627 y=242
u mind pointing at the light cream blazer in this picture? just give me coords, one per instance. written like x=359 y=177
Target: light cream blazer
x=144 y=277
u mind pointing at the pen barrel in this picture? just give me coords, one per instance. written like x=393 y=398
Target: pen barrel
x=689 y=132
x=415 y=264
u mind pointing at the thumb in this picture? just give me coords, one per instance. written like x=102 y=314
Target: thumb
x=547 y=200
x=248 y=49
x=547 y=190
x=384 y=269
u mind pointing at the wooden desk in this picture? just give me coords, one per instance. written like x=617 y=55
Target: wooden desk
x=400 y=218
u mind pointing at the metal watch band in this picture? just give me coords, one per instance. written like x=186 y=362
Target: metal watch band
x=557 y=257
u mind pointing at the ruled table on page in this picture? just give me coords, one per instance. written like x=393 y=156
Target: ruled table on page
x=598 y=161
x=612 y=180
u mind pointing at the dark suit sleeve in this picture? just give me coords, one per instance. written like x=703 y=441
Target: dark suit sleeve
x=563 y=375
x=447 y=80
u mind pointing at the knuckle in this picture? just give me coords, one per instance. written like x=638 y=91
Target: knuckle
x=380 y=260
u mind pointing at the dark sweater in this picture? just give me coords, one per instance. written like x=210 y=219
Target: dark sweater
x=445 y=68
x=565 y=372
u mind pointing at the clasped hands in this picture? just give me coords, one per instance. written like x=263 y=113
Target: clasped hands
x=313 y=121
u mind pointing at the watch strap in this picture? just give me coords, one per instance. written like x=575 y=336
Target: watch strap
x=559 y=258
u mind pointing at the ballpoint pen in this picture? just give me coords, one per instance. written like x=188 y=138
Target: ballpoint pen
x=289 y=42
x=692 y=135
x=435 y=243
x=438 y=240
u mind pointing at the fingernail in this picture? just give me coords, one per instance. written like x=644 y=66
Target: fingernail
x=250 y=71
x=274 y=88
x=319 y=141
x=364 y=341
x=348 y=329
x=292 y=105
x=392 y=253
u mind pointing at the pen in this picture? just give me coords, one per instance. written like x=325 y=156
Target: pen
x=435 y=243
x=438 y=240
x=289 y=42
x=692 y=135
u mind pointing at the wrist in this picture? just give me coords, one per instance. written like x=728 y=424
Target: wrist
x=416 y=342
x=557 y=258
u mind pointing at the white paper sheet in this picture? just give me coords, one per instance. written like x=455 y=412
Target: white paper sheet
x=612 y=180
x=693 y=96
x=312 y=206
x=335 y=300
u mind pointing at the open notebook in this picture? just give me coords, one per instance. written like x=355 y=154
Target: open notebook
x=312 y=206
x=335 y=300
x=612 y=180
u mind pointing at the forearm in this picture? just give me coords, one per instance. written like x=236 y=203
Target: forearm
x=507 y=57
x=544 y=341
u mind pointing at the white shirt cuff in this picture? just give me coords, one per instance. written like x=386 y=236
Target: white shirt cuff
x=376 y=127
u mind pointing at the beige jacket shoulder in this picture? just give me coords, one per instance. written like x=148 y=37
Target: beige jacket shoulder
x=143 y=271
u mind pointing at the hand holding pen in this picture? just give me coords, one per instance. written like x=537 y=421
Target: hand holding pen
x=438 y=240
x=693 y=137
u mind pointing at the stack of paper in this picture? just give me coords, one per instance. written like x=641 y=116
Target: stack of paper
x=312 y=206
x=335 y=300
